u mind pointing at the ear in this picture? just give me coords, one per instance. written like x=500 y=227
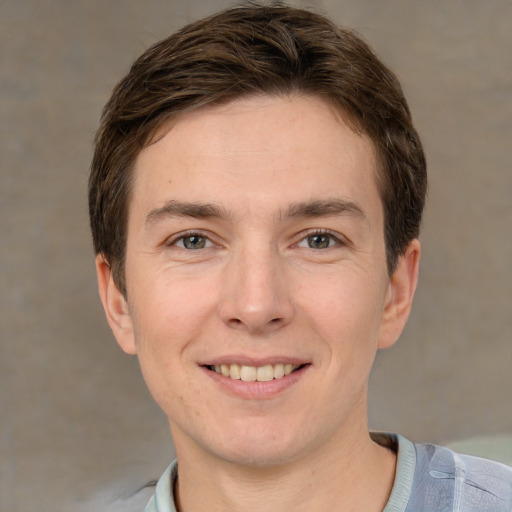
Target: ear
x=115 y=306
x=399 y=295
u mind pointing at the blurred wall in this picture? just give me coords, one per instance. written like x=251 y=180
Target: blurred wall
x=75 y=418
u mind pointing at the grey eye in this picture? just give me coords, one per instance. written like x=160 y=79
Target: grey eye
x=194 y=242
x=319 y=241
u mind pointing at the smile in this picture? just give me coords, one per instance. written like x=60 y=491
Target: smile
x=245 y=373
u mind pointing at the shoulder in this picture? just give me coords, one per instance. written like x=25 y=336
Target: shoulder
x=117 y=498
x=445 y=478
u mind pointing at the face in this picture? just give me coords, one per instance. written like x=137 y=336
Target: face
x=257 y=288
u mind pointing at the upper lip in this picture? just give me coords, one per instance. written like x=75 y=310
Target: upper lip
x=244 y=360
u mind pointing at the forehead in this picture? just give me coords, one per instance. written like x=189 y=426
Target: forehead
x=260 y=147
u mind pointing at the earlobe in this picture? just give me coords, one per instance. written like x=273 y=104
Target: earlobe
x=115 y=306
x=402 y=287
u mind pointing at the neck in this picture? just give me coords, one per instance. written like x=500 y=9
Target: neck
x=351 y=473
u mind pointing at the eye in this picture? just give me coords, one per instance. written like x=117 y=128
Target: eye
x=319 y=240
x=193 y=241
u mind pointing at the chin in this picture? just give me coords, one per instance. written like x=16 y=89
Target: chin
x=261 y=448
x=259 y=458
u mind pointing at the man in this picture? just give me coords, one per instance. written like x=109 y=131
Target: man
x=255 y=198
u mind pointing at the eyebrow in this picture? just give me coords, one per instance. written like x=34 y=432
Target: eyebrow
x=324 y=208
x=306 y=209
x=175 y=208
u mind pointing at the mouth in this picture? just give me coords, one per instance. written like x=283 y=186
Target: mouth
x=246 y=373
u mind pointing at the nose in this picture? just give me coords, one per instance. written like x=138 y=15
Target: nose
x=255 y=293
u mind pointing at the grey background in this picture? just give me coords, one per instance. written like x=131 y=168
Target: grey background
x=75 y=418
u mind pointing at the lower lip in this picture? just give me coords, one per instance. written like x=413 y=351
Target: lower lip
x=257 y=390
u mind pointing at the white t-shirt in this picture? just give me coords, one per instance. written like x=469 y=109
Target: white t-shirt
x=429 y=478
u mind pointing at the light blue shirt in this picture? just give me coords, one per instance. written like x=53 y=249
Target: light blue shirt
x=428 y=478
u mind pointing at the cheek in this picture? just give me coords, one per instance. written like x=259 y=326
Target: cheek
x=345 y=310
x=168 y=319
x=168 y=315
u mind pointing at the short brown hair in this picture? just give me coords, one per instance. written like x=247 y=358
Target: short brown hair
x=251 y=50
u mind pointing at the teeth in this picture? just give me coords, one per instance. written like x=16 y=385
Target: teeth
x=248 y=373
x=265 y=373
x=279 y=371
x=255 y=373
x=224 y=369
x=234 y=371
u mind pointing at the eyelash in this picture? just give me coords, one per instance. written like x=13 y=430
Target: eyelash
x=208 y=242
x=322 y=232
x=189 y=234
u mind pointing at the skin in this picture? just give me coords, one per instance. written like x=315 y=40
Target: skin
x=290 y=266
